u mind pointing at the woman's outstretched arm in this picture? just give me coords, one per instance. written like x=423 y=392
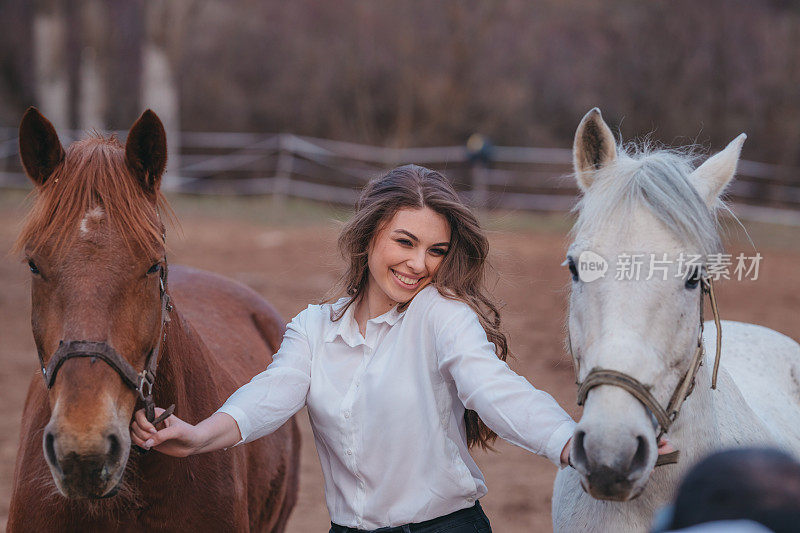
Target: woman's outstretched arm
x=505 y=401
x=256 y=409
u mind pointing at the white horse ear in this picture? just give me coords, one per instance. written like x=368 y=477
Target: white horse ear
x=711 y=178
x=594 y=147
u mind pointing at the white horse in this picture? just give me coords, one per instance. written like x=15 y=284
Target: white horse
x=641 y=202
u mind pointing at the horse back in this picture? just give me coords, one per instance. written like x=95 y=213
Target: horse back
x=762 y=367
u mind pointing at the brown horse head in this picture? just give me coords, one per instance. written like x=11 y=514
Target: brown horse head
x=93 y=242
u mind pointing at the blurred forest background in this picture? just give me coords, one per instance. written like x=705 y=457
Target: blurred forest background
x=414 y=73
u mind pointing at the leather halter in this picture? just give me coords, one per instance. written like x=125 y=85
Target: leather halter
x=664 y=417
x=141 y=382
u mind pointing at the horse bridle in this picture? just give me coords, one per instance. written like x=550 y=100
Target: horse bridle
x=664 y=417
x=141 y=382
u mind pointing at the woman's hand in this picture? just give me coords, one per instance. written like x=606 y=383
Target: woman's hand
x=664 y=446
x=178 y=438
x=565 y=453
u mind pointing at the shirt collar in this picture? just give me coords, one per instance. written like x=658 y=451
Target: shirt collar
x=347 y=327
x=390 y=317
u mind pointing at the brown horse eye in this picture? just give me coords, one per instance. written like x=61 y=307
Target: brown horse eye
x=33 y=267
x=155 y=268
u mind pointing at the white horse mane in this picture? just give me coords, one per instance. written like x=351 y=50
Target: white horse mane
x=659 y=180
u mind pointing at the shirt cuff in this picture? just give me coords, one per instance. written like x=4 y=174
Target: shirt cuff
x=557 y=441
x=240 y=418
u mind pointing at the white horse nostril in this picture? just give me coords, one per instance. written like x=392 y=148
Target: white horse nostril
x=578 y=456
x=639 y=461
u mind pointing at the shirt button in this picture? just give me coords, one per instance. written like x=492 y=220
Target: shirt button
x=348 y=451
x=470 y=500
x=347 y=414
x=361 y=484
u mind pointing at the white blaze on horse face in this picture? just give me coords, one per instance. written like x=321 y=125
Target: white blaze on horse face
x=91 y=221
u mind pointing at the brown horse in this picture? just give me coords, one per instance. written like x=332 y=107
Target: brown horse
x=100 y=311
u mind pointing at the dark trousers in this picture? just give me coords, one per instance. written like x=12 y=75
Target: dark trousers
x=469 y=520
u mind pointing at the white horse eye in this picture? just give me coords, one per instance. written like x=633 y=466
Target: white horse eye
x=694 y=279
x=572 y=268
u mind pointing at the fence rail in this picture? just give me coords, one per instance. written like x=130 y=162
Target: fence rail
x=287 y=165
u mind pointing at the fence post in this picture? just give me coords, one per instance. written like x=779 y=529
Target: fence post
x=283 y=172
x=479 y=152
x=480 y=195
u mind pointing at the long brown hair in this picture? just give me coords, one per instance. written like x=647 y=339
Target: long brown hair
x=461 y=275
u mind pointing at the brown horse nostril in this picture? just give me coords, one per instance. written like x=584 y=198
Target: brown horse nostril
x=50 y=450
x=114 y=448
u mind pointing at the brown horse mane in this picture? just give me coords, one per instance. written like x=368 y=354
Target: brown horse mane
x=92 y=174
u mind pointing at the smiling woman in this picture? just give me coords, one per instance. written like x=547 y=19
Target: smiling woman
x=401 y=375
x=404 y=256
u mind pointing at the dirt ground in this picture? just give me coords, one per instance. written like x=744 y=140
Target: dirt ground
x=290 y=258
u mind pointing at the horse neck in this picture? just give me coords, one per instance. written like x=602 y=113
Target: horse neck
x=184 y=375
x=695 y=431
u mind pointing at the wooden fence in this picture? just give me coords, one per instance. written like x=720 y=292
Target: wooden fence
x=286 y=165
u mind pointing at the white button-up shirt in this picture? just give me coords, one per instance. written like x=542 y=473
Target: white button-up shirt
x=387 y=410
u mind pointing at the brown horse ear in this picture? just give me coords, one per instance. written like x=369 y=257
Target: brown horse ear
x=146 y=151
x=39 y=147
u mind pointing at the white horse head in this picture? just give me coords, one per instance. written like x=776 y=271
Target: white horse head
x=637 y=206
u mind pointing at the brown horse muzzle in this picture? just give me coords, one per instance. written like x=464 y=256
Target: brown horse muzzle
x=85 y=464
x=86 y=452
x=86 y=468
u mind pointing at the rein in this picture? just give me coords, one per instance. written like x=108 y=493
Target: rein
x=664 y=416
x=141 y=382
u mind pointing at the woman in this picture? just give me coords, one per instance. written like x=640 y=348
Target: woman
x=401 y=376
